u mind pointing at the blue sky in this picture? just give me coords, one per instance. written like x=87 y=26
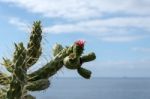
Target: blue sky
x=117 y=31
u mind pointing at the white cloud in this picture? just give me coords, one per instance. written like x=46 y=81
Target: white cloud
x=121 y=38
x=124 y=18
x=101 y=25
x=86 y=13
x=110 y=30
x=22 y=25
x=83 y=9
x=141 y=49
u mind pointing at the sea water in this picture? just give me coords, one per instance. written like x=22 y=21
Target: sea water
x=97 y=88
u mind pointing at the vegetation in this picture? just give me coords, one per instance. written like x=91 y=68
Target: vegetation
x=19 y=83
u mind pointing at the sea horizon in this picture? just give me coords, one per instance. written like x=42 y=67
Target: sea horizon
x=96 y=88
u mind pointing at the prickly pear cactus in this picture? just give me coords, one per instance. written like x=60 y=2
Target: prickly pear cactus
x=19 y=83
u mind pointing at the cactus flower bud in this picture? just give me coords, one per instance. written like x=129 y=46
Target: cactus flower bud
x=80 y=43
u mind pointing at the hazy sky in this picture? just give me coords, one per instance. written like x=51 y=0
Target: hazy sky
x=118 y=31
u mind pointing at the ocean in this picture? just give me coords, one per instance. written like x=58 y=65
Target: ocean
x=97 y=88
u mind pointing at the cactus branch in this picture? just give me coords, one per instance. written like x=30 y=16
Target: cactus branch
x=45 y=72
x=19 y=83
x=19 y=73
x=34 y=49
x=4 y=79
x=38 y=85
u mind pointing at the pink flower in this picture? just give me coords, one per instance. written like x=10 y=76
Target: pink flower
x=80 y=43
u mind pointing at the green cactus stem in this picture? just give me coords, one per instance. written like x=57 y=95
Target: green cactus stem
x=72 y=62
x=38 y=85
x=3 y=92
x=52 y=67
x=19 y=83
x=29 y=97
x=84 y=72
x=4 y=79
x=19 y=73
x=88 y=57
x=45 y=72
x=56 y=49
x=70 y=57
x=34 y=49
x=8 y=64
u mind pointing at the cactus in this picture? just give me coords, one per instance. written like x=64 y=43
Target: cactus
x=19 y=83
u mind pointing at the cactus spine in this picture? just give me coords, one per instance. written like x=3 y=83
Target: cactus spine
x=17 y=85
